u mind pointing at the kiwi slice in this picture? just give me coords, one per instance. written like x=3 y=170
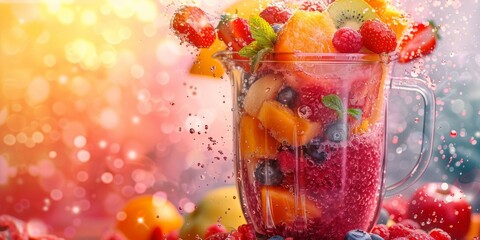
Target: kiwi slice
x=350 y=13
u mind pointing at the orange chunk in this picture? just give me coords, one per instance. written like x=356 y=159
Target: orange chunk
x=379 y=5
x=284 y=125
x=396 y=20
x=278 y=204
x=307 y=31
x=255 y=142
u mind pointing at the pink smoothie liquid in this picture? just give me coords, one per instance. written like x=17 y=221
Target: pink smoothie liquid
x=345 y=189
x=320 y=184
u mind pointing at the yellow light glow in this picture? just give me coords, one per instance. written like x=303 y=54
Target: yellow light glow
x=89 y=17
x=146 y=11
x=66 y=16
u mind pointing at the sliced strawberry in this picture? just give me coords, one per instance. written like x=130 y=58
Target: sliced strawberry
x=421 y=41
x=192 y=25
x=275 y=14
x=234 y=32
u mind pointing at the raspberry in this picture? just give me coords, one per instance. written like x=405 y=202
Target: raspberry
x=410 y=224
x=399 y=230
x=377 y=37
x=219 y=236
x=439 y=234
x=286 y=160
x=347 y=40
x=247 y=231
x=381 y=230
x=419 y=235
x=214 y=229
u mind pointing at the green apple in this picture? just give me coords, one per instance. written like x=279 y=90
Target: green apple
x=220 y=205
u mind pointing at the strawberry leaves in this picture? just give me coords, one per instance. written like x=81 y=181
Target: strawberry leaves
x=265 y=38
x=334 y=102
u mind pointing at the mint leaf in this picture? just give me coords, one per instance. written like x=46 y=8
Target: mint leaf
x=255 y=60
x=333 y=102
x=250 y=50
x=262 y=32
x=355 y=112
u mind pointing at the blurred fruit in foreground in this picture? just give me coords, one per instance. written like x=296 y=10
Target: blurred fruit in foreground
x=141 y=215
x=220 y=205
x=396 y=207
x=474 y=227
x=441 y=205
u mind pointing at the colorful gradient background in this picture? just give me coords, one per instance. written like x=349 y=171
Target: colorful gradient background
x=97 y=106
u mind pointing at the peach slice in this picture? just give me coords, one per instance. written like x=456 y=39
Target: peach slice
x=285 y=126
x=307 y=31
x=263 y=89
x=255 y=142
x=278 y=204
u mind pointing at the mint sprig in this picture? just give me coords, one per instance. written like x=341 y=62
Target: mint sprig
x=265 y=38
x=334 y=102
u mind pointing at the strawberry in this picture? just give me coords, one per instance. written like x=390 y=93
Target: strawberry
x=275 y=14
x=192 y=25
x=421 y=41
x=235 y=32
x=377 y=37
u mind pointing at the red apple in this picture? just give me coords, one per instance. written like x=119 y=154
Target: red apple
x=440 y=205
x=396 y=208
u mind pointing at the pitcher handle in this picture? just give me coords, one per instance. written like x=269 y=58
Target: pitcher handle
x=421 y=87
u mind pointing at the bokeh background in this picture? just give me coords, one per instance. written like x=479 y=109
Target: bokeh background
x=97 y=106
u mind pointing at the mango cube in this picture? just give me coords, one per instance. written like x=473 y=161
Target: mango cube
x=255 y=141
x=285 y=126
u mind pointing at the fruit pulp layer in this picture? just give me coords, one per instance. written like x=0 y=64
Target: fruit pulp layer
x=320 y=201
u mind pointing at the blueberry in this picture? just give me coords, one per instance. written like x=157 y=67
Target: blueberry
x=357 y=235
x=337 y=132
x=287 y=96
x=384 y=217
x=268 y=173
x=314 y=150
x=376 y=237
x=276 y=237
x=277 y=27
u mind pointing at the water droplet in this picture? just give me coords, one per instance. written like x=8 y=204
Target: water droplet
x=453 y=133
x=304 y=111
